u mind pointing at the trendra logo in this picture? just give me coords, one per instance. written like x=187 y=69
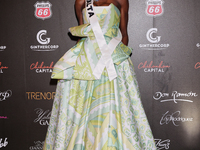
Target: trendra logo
x=4 y=95
x=44 y=41
x=175 y=96
x=2 y=67
x=41 y=68
x=2 y=48
x=154 y=40
x=153 y=68
x=174 y=117
x=3 y=143
x=162 y=144
x=43 y=116
x=38 y=146
x=40 y=95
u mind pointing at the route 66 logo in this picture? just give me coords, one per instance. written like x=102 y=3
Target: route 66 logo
x=43 y=10
x=154 y=7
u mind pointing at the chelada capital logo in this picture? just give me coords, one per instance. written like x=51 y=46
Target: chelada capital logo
x=154 y=7
x=41 y=67
x=2 y=68
x=44 y=41
x=197 y=65
x=2 y=48
x=154 y=40
x=43 y=10
x=150 y=67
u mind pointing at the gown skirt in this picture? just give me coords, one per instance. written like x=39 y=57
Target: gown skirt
x=97 y=114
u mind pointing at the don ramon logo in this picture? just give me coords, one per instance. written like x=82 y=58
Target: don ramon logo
x=175 y=97
x=43 y=10
x=154 y=7
x=41 y=67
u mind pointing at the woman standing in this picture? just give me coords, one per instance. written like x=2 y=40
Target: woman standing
x=97 y=104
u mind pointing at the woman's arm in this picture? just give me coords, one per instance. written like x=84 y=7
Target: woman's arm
x=124 y=20
x=79 y=5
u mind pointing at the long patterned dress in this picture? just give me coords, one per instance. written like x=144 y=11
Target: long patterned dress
x=91 y=114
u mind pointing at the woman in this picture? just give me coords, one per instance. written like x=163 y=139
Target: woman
x=97 y=104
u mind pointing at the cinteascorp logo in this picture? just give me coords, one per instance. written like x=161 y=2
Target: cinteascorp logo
x=43 y=116
x=41 y=67
x=175 y=97
x=150 y=67
x=43 y=10
x=3 y=142
x=40 y=95
x=154 y=7
x=2 y=48
x=38 y=145
x=4 y=95
x=154 y=41
x=44 y=42
x=2 y=67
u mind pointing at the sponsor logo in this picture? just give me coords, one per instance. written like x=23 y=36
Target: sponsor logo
x=174 y=118
x=5 y=95
x=149 y=67
x=3 y=117
x=41 y=68
x=3 y=143
x=154 y=7
x=155 y=45
x=40 y=95
x=2 y=48
x=197 y=65
x=38 y=145
x=198 y=45
x=162 y=144
x=174 y=96
x=43 y=10
x=44 y=41
x=2 y=67
x=43 y=116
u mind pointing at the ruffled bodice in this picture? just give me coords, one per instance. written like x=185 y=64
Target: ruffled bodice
x=80 y=61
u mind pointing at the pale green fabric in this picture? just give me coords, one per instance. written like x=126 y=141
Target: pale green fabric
x=91 y=114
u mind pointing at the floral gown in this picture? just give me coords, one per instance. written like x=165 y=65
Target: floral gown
x=91 y=114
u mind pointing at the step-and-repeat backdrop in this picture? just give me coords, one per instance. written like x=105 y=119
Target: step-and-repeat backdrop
x=165 y=36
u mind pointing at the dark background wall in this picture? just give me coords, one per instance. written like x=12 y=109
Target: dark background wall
x=168 y=77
